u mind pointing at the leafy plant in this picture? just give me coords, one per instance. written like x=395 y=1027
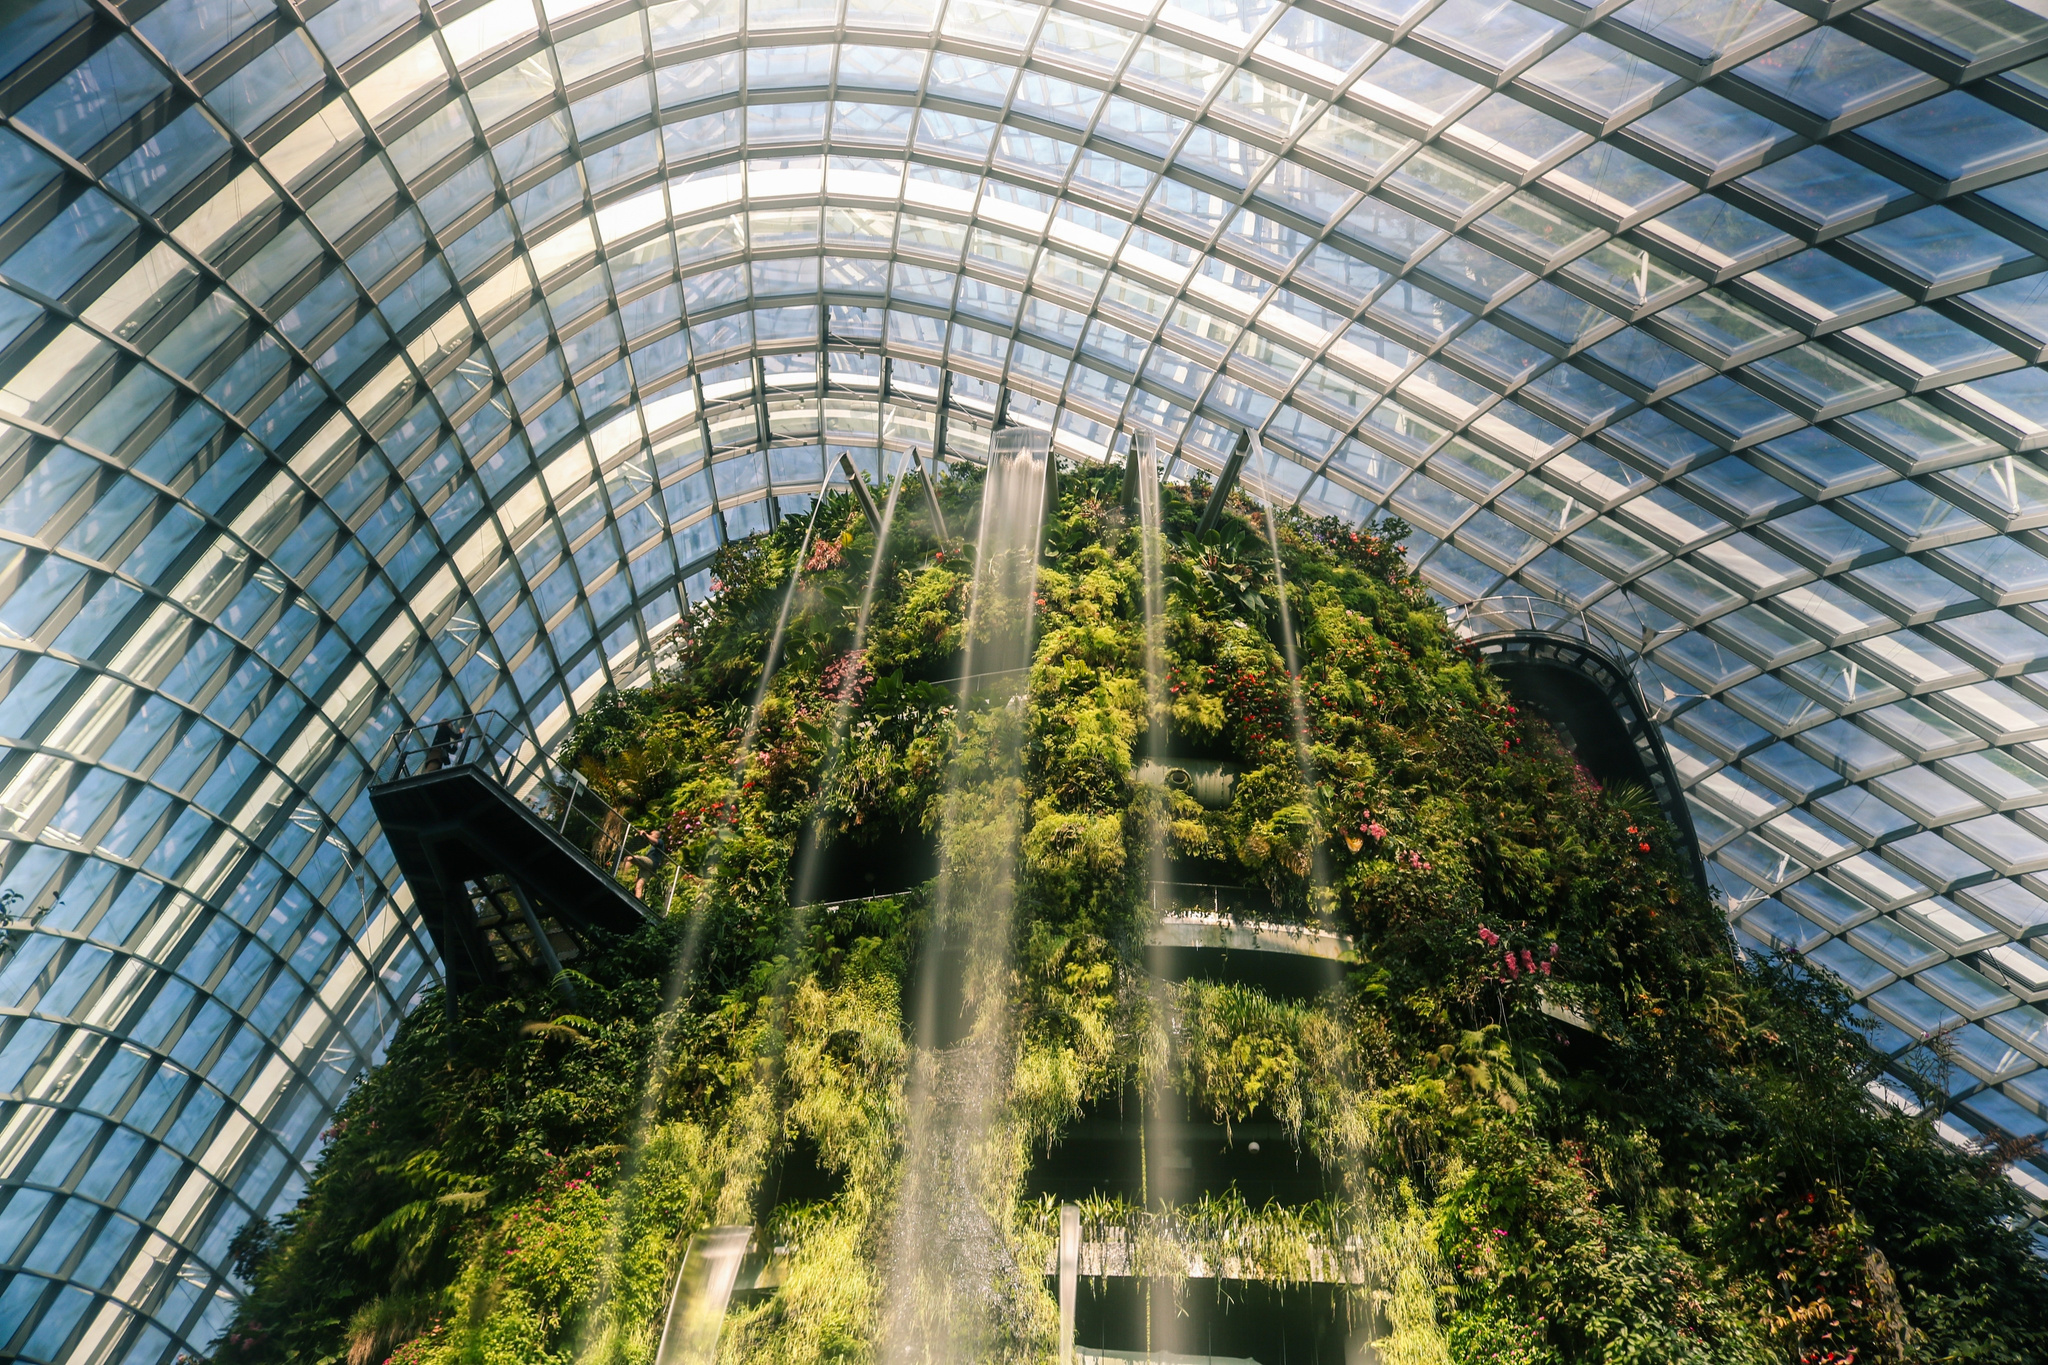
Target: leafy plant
x=1559 y=1119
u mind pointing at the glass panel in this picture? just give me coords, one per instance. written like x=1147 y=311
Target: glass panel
x=1823 y=188
x=1937 y=247
x=1709 y=132
x=1598 y=77
x=1832 y=75
x=1957 y=136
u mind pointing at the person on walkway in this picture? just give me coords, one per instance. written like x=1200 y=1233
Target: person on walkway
x=441 y=752
x=647 y=862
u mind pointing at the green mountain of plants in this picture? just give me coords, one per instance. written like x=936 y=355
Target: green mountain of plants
x=1560 y=1119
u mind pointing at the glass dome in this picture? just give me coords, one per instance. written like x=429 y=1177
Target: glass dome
x=366 y=362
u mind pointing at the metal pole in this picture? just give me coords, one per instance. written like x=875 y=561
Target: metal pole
x=1070 y=1275
x=859 y=486
x=540 y=935
x=931 y=497
x=1226 y=481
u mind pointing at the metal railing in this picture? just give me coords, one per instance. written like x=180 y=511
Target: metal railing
x=1515 y=615
x=514 y=760
x=1490 y=618
x=1237 y=904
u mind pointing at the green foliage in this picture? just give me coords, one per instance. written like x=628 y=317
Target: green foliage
x=476 y=1135
x=1699 y=1176
x=1241 y=1051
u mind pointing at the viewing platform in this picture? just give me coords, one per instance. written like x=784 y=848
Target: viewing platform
x=512 y=860
x=1224 y=932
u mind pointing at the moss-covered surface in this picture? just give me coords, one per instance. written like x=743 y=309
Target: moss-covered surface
x=1703 y=1181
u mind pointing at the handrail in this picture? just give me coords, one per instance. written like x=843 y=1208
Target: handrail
x=1246 y=906
x=1538 y=623
x=1510 y=614
x=503 y=749
x=1489 y=618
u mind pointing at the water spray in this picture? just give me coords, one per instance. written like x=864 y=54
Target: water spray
x=947 y=1254
x=600 y=1329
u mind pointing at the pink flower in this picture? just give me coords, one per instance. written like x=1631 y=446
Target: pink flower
x=1488 y=937
x=1514 y=968
x=1528 y=960
x=1545 y=966
x=1376 y=830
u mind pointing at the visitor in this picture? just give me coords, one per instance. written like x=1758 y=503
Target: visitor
x=647 y=862
x=442 y=751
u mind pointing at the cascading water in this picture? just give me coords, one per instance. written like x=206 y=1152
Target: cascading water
x=740 y=1194
x=1145 y=460
x=601 y=1332
x=803 y=883
x=953 y=1275
x=954 y=1279
x=1162 y=1162
x=1399 y=1262
x=697 y=1304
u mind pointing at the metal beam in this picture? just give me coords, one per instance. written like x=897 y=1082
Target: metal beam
x=541 y=942
x=931 y=496
x=859 y=486
x=1226 y=481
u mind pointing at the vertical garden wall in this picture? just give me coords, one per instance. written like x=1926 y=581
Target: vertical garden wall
x=1537 y=1110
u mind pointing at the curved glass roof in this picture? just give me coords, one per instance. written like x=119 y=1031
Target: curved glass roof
x=365 y=361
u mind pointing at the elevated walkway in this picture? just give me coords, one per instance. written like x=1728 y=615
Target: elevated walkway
x=1564 y=669
x=505 y=884
x=1230 y=933
x=1225 y=932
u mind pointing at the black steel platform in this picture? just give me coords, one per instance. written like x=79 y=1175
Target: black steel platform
x=502 y=887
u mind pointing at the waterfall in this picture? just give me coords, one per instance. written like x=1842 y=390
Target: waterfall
x=1163 y=1183
x=601 y=1331
x=1151 y=551
x=950 y=1270
x=1321 y=904
x=741 y=1192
